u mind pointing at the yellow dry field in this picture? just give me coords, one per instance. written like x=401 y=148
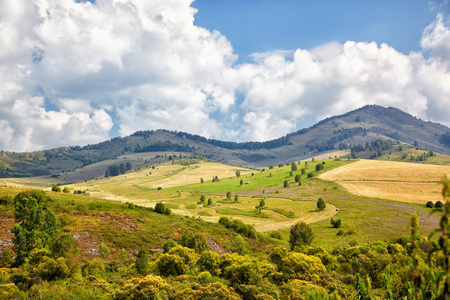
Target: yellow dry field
x=327 y=155
x=44 y=182
x=194 y=173
x=133 y=185
x=407 y=182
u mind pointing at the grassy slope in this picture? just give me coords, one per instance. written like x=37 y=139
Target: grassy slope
x=397 y=154
x=119 y=227
x=282 y=208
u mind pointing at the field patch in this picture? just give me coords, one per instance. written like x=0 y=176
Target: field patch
x=407 y=182
x=193 y=174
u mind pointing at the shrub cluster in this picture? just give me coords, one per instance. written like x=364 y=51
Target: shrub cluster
x=336 y=223
x=239 y=227
x=160 y=208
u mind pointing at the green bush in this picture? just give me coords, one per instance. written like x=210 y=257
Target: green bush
x=162 y=209
x=239 y=245
x=103 y=251
x=209 y=261
x=276 y=235
x=336 y=223
x=225 y=221
x=302 y=266
x=52 y=269
x=177 y=261
x=149 y=287
x=63 y=245
x=93 y=267
x=6 y=199
x=321 y=204
x=239 y=227
x=169 y=245
x=142 y=266
x=300 y=235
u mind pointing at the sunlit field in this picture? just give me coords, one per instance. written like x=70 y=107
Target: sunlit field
x=408 y=182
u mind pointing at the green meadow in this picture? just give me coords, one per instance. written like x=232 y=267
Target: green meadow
x=180 y=188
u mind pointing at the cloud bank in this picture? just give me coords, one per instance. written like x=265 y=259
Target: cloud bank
x=75 y=73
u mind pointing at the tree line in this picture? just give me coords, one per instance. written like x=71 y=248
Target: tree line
x=115 y=170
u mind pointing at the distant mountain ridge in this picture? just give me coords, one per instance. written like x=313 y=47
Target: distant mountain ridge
x=359 y=126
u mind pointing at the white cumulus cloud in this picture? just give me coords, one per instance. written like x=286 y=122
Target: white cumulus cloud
x=71 y=70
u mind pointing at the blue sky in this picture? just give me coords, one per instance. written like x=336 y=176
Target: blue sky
x=268 y=25
x=75 y=72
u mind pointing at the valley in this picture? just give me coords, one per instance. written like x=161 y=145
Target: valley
x=202 y=214
x=351 y=189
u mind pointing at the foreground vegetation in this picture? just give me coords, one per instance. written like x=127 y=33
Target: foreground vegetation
x=189 y=229
x=142 y=260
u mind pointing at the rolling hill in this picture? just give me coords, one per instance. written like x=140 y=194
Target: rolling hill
x=360 y=126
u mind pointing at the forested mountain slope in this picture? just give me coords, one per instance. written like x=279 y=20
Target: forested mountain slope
x=360 y=126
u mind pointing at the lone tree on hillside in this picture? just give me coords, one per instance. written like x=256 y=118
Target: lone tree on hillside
x=300 y=235
x=262 y=203
x=141 y=264
x=321 y=204
x=294 y=166
x=37 y=224
x=187 y=239
x=238 y=173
